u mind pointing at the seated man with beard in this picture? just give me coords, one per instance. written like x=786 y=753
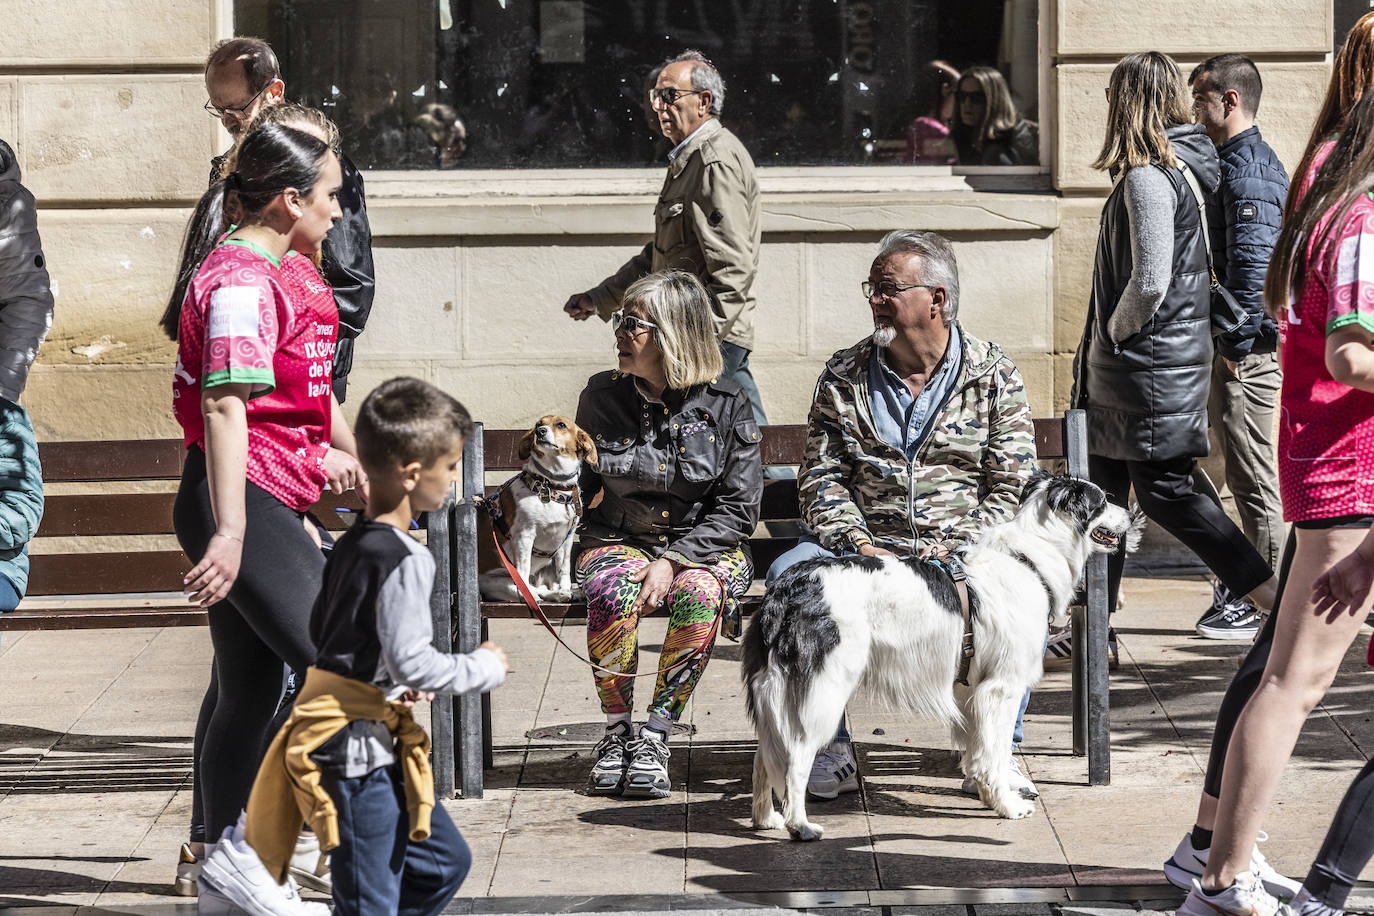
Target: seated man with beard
x=919 y=436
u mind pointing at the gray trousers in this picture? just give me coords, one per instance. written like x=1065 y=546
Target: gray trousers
x=1242 y=414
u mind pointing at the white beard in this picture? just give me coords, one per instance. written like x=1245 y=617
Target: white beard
x=883 y=335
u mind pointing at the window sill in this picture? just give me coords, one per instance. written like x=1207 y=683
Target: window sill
x=603 y=202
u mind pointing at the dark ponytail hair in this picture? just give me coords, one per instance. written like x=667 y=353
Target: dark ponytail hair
x=271 y=159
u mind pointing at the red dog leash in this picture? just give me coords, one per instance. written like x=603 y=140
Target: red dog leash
x=538 y=612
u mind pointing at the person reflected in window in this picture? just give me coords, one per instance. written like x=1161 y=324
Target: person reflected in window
x=988 y=130
x=928 y=138
x=447 y=130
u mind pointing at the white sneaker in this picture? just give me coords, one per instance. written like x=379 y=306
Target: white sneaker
x=1018 y=779
x=309 y=866
x=234 y=874
x=834 y=771
x=1187 y=863
x=1245 y=897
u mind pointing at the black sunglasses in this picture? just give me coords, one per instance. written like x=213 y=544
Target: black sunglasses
x=670 y=94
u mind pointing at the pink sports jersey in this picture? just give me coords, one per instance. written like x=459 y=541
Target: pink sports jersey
x=249 y=319
x=1326 y=438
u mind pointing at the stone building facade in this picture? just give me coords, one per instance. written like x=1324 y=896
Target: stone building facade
x=103 y=104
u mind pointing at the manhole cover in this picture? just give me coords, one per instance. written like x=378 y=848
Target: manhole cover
x=589 y=732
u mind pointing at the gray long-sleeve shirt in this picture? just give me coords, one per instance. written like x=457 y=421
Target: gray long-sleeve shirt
x=1150 y=205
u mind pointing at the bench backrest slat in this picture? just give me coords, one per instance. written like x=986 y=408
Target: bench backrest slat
x=112 y=573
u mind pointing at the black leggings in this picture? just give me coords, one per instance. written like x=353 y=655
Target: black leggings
x=1167 y=496
x=263 y=623
x=1349 y=842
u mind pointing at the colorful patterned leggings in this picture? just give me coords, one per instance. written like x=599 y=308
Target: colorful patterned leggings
x=613 y=636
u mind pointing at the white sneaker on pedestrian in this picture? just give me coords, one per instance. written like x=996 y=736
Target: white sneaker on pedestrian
x=1245 y=897
x=1187 y=863
x=834 y=771
x=309 y=866
x=234 y=874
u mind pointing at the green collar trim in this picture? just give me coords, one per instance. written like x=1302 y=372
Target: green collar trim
x=254 y=246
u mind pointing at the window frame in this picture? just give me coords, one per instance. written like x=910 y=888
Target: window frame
x=820 y=178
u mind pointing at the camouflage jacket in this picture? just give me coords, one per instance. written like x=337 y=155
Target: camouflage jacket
x=968 y=472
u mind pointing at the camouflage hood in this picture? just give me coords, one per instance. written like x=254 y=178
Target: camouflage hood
x=968 y=472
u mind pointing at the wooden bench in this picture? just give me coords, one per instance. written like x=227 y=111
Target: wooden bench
x=467 y=736
x=94 y=586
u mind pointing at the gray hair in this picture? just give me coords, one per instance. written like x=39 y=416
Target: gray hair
x=680 y=307
x=938 y=266
x=705 y=77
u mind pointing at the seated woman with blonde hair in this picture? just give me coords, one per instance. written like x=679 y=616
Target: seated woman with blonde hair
x=679 y=472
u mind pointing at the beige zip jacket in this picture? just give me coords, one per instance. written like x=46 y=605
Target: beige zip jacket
x=706 y=222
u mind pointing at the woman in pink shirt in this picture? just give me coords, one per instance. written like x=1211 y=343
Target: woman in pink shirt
x=255 y=328
x=1321 y=290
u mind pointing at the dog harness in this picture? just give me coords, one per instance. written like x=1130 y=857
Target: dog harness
x=955 y=571
x=547 y=491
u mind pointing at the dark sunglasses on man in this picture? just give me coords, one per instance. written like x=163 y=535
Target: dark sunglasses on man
x=670 y=94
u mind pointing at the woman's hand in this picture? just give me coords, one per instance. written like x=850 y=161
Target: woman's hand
x=657 y=578
x=344 y=473
x=1345 y=587
x=210 y=579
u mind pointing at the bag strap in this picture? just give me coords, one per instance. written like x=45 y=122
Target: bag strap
x=1191 y=179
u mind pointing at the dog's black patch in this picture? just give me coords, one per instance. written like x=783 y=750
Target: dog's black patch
x=941 y=585
x=794 y=623
x=1078 y=499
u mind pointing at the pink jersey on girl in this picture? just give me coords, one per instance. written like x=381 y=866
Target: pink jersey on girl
x=1326 y=439
x=250 y=319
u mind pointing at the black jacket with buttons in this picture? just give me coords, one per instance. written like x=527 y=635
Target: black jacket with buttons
x=681 y=477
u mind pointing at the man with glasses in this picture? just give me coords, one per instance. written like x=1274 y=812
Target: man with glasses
x=707 y=218
x=242 y=77
x=919 y=437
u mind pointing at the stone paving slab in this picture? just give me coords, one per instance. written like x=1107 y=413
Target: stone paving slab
x=95 y=776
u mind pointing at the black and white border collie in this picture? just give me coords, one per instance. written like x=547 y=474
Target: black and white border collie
x=896 y=627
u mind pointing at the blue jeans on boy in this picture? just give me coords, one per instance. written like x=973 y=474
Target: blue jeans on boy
x=808 y=548
x=376 y=869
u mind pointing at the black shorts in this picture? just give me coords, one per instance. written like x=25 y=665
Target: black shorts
x=1339 y=521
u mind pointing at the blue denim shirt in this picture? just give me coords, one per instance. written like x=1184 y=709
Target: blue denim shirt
x=904 y=420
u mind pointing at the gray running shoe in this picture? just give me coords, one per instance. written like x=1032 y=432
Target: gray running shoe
x=647 y=775
x=608 y=773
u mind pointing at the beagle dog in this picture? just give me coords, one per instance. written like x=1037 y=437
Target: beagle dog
x=535 y=513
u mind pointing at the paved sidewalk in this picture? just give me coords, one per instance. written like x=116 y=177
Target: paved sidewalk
x=95 y=768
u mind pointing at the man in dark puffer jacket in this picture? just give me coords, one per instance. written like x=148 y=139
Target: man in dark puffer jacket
x=1243 y=221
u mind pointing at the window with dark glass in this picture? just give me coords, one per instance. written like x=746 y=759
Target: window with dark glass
x=502 y=84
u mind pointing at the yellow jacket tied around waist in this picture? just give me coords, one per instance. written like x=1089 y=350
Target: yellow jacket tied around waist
x=289 y=790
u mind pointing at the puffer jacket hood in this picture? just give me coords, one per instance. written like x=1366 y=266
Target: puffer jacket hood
x=9 y=163
x=1195 y=150
x=26 y=301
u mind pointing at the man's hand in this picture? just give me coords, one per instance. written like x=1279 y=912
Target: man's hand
x=1232 y=366
x=872 y=550
x=579 y=306
x=939 y=552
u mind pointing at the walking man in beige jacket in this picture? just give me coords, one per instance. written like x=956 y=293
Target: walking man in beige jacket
x=706 y=221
